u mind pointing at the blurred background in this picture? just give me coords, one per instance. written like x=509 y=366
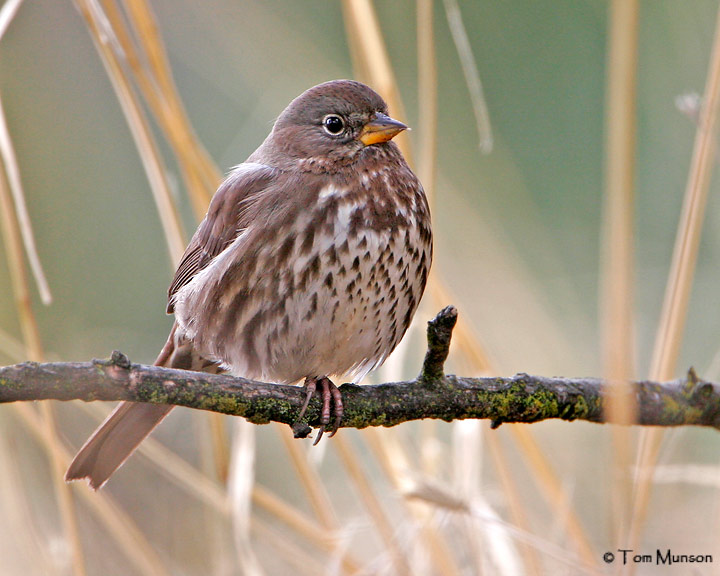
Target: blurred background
x=115 y=108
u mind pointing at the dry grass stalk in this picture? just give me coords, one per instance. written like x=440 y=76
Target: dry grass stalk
x=472 y=355
x=7 y=13
x=11 y=347
x=373 y=64
x=148 y=68
x=310 y=479
x=12 y=173
x=65 y=500
x=554 y=492
x=240 y=488
x=128 y=536
x=371 y=501
x=392 y=455
x=368 y=49
x=677 y=293
x=440 y=497
x=200 y=486
x=12 y=236
x=617 y=278
x=113 y=58
x=472 y=77
x=17 y=514
x=533 y=565
x=427 y=100
x=302 y=561
x=151 y=71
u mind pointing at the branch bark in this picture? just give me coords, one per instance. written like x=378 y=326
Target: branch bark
x=433 y=394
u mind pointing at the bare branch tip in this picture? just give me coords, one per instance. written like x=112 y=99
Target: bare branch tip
x=439 y=334
x=446 y=318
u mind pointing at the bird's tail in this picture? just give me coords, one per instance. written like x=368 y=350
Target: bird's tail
x=130 y=423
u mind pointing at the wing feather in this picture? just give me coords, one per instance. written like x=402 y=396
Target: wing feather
x=222 y=224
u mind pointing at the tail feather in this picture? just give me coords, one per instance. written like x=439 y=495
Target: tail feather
x=114 y=441
x=130 y=423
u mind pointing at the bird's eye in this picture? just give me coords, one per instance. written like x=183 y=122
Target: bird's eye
x=333 y=124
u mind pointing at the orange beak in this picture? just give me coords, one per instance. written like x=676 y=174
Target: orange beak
x=380 y=129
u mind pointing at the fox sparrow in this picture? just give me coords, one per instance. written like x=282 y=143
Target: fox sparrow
x=310 y=263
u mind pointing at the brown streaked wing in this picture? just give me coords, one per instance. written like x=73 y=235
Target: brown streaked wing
x=221 y=224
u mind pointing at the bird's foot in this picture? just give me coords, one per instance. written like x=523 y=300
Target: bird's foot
x=329 y=393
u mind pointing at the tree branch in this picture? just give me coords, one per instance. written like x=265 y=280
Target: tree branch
x=521 y=398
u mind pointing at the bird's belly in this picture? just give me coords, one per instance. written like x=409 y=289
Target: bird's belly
x=352 y=328
x=351 y=315
x=338 y=308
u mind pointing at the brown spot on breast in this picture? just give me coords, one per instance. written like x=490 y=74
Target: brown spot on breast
x=393 y=329
x=331 y=255
x=423 y=278
x=314 y=265
x=311 y=271
x=286 y=284
x=411 y=303
x=285 y=326
x=392 y=294
x=313 y=307
x=286 y=249
x=308 y=240
x=408 y=317
x=249 y=336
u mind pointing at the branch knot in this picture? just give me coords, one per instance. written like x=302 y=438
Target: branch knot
x=120 y=360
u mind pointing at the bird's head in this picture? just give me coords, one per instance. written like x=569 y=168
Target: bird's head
x=333 y=122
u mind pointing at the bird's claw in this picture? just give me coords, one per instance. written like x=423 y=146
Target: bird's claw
x=320 y=434
x=328 y=392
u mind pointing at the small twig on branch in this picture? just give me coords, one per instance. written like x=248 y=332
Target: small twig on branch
x=521 y=398
x=439 y=332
